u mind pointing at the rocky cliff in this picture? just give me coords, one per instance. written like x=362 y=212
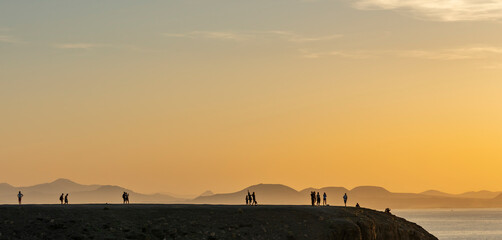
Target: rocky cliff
x=202 y=222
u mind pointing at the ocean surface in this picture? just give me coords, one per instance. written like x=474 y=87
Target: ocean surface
x=449 y=224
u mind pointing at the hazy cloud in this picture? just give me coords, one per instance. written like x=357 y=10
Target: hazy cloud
x=92 y=46
x=439 y=10
x=494 y=66
x=250 y=35
x=483 y=52
x=341 y=54
x=211 y=35
x=8 y=39
x=462 y=53
x=85 y=46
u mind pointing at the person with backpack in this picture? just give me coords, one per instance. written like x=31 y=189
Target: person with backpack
x=61 y=198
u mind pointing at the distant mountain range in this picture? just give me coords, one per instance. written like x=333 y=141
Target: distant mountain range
x=48 y=193
x=366 y=196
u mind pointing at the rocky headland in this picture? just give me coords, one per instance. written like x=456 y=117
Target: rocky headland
x=146 y=221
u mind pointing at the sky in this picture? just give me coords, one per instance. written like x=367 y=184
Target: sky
x=195 y=95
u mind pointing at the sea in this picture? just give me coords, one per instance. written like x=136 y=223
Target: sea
x=449 y=224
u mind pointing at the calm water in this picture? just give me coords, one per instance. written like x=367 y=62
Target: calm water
x=475 y=224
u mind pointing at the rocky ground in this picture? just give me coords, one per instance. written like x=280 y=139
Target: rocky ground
x=201 y=222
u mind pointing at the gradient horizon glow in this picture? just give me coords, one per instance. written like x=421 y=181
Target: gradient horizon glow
x=188 y=96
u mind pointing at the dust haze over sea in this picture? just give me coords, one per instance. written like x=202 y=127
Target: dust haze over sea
x=456 y=224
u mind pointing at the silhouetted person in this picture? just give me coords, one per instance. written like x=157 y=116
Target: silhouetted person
x=127 y=198
x=250 y=198
x=387 y=210
x=19 y=197
x=124 y=197
x=318 y=199
x=66 y=199
x=312 y=197
x=345 y=199
x=357 y=205
x=324 y=202
x=254 y=199
x=61 y=198
x=247 y=200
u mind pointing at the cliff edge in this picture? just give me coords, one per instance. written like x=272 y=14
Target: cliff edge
x=202 y=222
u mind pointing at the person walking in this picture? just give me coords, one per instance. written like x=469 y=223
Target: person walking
x=324 y=196
x=61 y=198
x=19 y=197
x=345 y=199
x=66 y=199
x=254 y=199
x=250 y=198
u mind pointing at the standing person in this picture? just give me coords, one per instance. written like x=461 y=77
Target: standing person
x=318 y=199
x=247 y=200
x=250 y=198
x=127 y=197
x=66 y=199
x=254 y=199
x=345 y=199
x=124 y=197
x=312 y=197
x=19 y=197
x=61 y=198
x=324 y=196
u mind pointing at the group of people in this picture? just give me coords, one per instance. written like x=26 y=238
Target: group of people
x=316 y=198
x=251 y=199
x=125 y=197
x=63 y=198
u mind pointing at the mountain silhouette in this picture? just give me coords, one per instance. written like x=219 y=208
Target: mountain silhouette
x=265 y=194
x=279 y=194
x=206 y=193
x=436 y=193
x=48 y=193
x=367 y=196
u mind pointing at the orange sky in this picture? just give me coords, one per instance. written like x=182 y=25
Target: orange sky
x=188 y=97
